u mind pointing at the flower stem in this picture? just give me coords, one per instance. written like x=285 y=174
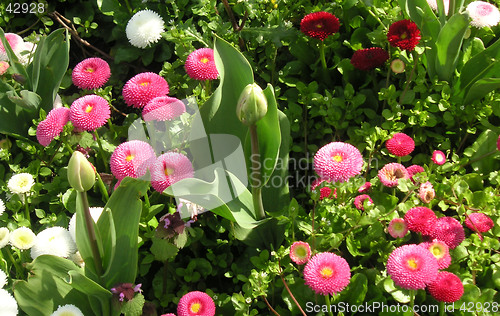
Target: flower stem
x=328 y=304
x=412 y=299
x=27 y=209
x=255 y=175
x=322 y=54
x=7 y=251
x=410 y=78
x=269 y=306
x=89 y=225
x=290 y=293
x=102 y=187
x=441 y=308
x=101 y=151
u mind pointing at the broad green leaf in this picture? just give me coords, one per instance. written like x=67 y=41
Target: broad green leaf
x=477 y=152
x=267 y=233
x=28 y=100
x=108 y=7
x=356 y=291
x=14 y=120
x=163 y=249
x=399 y=294
x=99 y=297
x=481 y=88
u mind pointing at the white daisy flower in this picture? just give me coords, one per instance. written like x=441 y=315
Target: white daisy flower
x=2 y=207
x=57 y=102
x=22 y=238
x=4 y=236
x=8 y=304
x=483 y=14
x=21 y=183
x=3 y=278
x=434 y=6
x=95 y=213
x=67 y=310
x=54 y=241
x=144 y=28
x=26 y=52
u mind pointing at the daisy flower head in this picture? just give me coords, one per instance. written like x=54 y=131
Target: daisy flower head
x=398 y=66
x=400 y=144
x=52 y=126
x=412 y=267
x=95 y=213
x=2 y=207
x=421 y=219
x=390 y=174
x=3 y=278
x=144 y=28
x=200 y=65
x=360 y=200
x=4 y=236
x=131 y=159
x=413 y=170
x=67 y=310
x=300 y=252
x=196 y=303
x=434 y=6
x=163 y=109
x=479 y=222
x=450 y=231
x=338 y=162
x=438 y=157
x=144 y=87
x=319 y=25
x=16 y=43
x=4 y=66
x=483 y=14
x=8 y=303
x=369 y=58
x=91 y=73
x=447 y=287
x=327 y=274
x=54 y=241
x=21 y=183
x=170 y=168
x=440 y=251
x=426 y=192
x=89 y=112
x=404 y=34
x=397 y=228
x=365 y=187
x=324 y=192
x=22 y=238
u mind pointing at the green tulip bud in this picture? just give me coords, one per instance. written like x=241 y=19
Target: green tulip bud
x=252 y=105
x=81 y=173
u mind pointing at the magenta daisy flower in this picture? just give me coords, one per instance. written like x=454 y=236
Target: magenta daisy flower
x=391 y=173
x=52 y=126
x=447 y=287
x=397 y=228
x=338 y=162
x=144 y=87
x=170 y=168
x=163 y=109
x=360 y=200
x=438 y=157
x=365 y=187
x=132 y=159
x=421 y=219
x=413 y=170
x=404 y=34
x=89 y=112
x=400 y=144
x=450 y=231
x=196 y=303
x=300 y=252
x=483 y=14
x=479 y=222
x=200 y=65
x=440 y=251
x=319 y=25
x=91 y=73
x=412 y=267
x=15 y=41
x=426 y=192
x=325 y=192
x=327 y=274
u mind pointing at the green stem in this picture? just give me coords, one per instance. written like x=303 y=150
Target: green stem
x=313 y=234
x=14 y=262
x=441 y=309
x=27 y=209
x=410 y=78
x=412 y=299
x=89 y=225
x=328 y=304
x=102 y=153
x=208 y=87
x=322 y=54
x=102 y=187
x=255 y=175
x=146 y=199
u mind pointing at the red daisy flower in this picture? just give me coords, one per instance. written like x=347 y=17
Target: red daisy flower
x=200 y=65
x=479 y=222
x=413 y=170
x=412 y=267
x=163 y=109
x=327 y=274
x=449 y=231
x=369 y=58
x=131 y=159
x=397 y=228
x=52 y=126
x=170 y=168
x=338 y=162
x=440 y=251
x=324 y=192
x=300 y=252
x=421 y=219
x=400 y=144
x=319 y=25
x=498 y=142
x=447 y=287
x=426 y=192
x=365 y=187
x=196 y=303
x=91 y=73
x=438 y=157
x=144 y=87
x=404 y=34
x=390 y=174
x=359 y=201
x=89 y=112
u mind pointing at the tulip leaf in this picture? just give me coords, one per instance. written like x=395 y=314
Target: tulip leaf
x=481 y=88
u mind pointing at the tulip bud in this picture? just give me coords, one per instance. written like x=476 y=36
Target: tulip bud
x=19 y=78
x=81 y=173
x=252 y=105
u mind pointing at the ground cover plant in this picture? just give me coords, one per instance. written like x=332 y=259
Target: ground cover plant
x=249 y=157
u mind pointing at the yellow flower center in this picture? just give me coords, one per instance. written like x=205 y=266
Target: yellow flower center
x=403 y=36
x=90 y=69
x=204 y=60
x=168 y=171
x=326 y=272
x=337 y=158
x=301 y=252
x=412 y=264
x=88 y=109
x=319 y=26
x=129 y=157
x=195 y=307
x=67 y=313
x=23 y=182
x=437 y=251
x=144 y=84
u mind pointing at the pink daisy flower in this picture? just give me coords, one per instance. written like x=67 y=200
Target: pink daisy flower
x=200 y=65
x=421 y=219
x=397 y=228
x=300 y=252
x=360 y=200
x=412 y=267
x=52 y=126
x=450 y=231
x=338 y=162
x=390 y=174
x=89 y=112
x=163 y=109
x=15 y=41
x=170 y=168
x=196 y=303
x=426 y=192
x=479 y=222
x=144 y=87
x=131 y=159
x=483 y=14
x=447 y=287
x=327 y=274
x=413 y=170
x=440 y=251
x=325 y=192
x=91 y=73
x=4 y=66
x=365 y=187
x=438 y=157
x=169 y=314
x=400 y=144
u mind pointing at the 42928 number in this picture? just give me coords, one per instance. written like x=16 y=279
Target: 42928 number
x=33 y=7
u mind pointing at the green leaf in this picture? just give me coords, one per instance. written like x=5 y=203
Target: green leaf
x=162 y=249
x=14 y=63
x=478 y=152
x=28 y=100
x=355 y=292
x=400 y=295
x=108 y=7
x=480 y=88
x=134 y=306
